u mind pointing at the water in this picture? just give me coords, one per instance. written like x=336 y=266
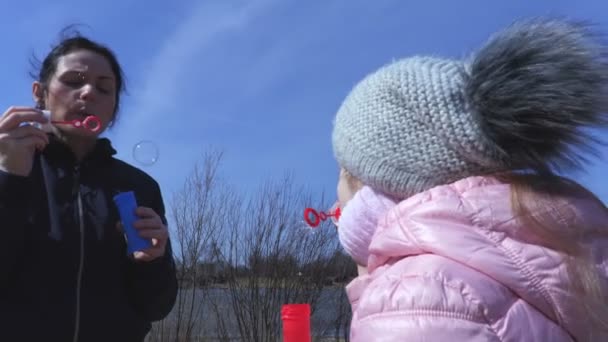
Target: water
x=215 y=309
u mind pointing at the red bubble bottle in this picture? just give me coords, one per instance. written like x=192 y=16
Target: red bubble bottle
x=296 y=322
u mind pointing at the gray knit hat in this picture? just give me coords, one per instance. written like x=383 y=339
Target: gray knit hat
x=518 y=104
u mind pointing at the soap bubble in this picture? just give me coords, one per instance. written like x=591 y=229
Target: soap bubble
x=145 y=152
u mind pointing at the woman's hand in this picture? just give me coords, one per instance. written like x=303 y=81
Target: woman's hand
x=18 y=142
x=150 y=226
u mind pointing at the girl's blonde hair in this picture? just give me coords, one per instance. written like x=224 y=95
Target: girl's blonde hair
x=353 y=182
x=530 y=191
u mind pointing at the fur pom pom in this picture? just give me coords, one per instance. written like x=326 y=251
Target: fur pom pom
x=534 y=87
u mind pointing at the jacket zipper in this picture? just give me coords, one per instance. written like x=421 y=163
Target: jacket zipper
x=76 y=189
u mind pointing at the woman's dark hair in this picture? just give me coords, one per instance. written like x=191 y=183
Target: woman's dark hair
x=72 y=40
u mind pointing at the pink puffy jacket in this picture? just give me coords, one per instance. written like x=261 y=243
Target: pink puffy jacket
x=452 y=264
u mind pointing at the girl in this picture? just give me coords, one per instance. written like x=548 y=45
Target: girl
x=452 y=207
x=66 y=275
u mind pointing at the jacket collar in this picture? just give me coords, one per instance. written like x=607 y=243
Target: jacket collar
x=57 y=150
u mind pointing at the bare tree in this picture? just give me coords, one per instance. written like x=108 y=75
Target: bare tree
x=287 y=261
x=242 y=257
x=198 y=212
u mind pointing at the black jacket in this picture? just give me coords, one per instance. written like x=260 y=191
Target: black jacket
x=60 y=278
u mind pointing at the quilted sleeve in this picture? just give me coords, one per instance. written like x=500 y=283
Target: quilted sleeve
x=419 y=306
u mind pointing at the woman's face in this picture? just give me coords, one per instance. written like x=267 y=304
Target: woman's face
x=83 y=84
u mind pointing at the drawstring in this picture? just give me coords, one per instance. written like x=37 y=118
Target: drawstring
x=49 y=184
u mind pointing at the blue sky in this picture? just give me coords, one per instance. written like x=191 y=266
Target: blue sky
x=260 y=79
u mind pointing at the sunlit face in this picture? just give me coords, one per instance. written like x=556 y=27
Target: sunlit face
x=83 y=84
x=347 y=187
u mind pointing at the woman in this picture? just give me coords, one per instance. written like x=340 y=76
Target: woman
x=66 y=275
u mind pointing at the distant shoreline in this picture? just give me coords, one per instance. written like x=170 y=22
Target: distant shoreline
x=245 y=285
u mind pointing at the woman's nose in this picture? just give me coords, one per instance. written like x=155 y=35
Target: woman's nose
x=87 y=92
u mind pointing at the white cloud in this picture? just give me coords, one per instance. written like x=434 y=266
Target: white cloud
x=201 y=29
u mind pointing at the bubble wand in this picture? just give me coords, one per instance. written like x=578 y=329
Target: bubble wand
x=91 y=122
x=313 y=217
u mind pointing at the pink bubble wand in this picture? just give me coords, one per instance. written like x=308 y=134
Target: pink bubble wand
x=91 y=122
x=314 y=218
